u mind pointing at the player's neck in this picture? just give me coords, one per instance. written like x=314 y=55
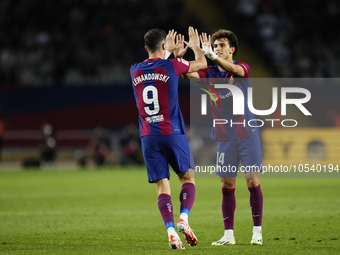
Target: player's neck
x=156 y=54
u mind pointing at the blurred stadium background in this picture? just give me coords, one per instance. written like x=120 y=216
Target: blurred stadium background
x=65 y=85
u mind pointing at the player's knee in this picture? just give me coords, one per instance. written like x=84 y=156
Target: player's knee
x=253 y=182
x=186 y=178
x=228 y=183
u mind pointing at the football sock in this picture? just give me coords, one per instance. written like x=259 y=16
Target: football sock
x=257 y=229
x=228 y=207
x=187 y=198
x=172 y=232
x=256 y=204
x=166 y=210
x=184 y=216
x=229 y=233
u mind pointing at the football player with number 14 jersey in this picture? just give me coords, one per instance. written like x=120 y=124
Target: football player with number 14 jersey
x=237 y=140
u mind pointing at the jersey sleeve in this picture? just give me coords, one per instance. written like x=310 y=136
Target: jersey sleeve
x=132 y=69
x=180 y=65
x=246 y=69
x=204 y=72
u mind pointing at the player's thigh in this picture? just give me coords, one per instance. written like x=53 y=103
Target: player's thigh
x=249 y=149
x=156 y=163
x=227 y=159
x=178 y=153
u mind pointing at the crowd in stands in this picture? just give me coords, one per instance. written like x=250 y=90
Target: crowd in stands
x=95 y=41
x=80 y=41
x=296 y=38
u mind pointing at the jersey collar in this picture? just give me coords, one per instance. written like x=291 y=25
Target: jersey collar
x=151 y=59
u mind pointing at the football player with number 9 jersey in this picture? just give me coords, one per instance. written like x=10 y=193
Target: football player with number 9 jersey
x=161 y=125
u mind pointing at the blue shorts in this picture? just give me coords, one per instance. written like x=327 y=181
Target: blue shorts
x=160 y=151
x=230 y=153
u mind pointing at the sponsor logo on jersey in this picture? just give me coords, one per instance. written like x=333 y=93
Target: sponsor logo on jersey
x=154 y=119
x=213 y=95
x=229 y=94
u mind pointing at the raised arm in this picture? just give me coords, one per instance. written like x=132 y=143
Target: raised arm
x=179 y=52
x=170 y=44
x=193 y=75
x=194 y=43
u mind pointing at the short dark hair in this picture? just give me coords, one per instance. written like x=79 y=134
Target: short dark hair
x=230 y=36
x=154 y=38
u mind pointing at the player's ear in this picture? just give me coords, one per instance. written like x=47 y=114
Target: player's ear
x=146 y=48
x=163 y=46
x=232 y=50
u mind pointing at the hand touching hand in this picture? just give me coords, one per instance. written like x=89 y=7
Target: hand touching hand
x=179 y=49
x=205 y=40
x=170 y=41
x=194 y=40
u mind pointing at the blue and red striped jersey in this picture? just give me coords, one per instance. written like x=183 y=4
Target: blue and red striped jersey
x=237 y=126
x=155 y=85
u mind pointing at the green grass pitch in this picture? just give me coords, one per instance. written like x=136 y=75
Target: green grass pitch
x=114 y=211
